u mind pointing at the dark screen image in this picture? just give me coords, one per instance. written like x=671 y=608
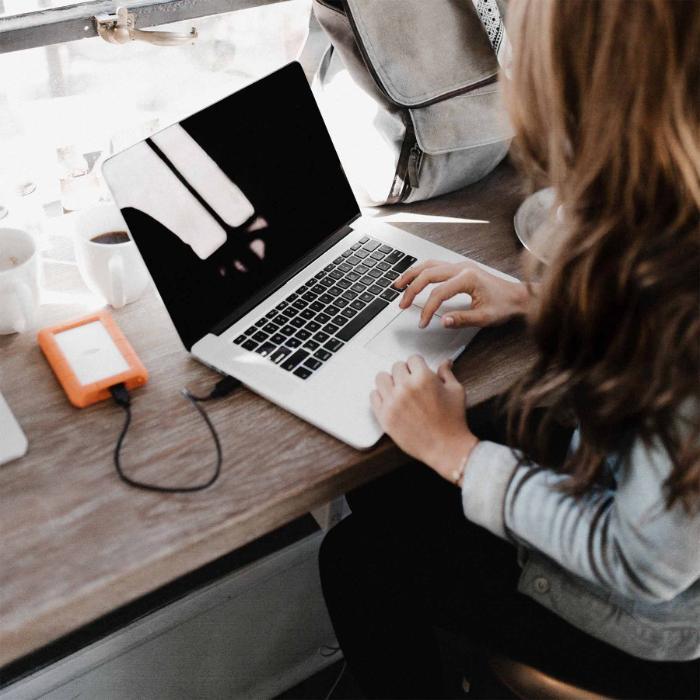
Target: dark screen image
x=270 y=141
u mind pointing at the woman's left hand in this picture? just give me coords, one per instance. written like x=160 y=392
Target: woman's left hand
x=425 y=414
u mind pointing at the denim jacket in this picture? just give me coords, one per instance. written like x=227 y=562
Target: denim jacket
x=615 y=563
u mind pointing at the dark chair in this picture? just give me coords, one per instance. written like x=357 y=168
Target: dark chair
x=529 y=683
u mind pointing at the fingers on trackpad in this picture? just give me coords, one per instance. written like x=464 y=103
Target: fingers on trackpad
x=459 y=302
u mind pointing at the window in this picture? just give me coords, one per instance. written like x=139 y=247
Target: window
x=65 y=105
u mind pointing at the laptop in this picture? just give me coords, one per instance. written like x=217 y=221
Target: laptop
x=256 y=244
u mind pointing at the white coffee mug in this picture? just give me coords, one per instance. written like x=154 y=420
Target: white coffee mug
x=19 y=280
x=114 y=271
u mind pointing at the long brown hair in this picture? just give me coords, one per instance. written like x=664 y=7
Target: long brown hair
x=604 y=98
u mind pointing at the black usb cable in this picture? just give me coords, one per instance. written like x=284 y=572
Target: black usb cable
x=121 y=397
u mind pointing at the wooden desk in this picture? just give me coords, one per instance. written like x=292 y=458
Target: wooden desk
x=77 y=543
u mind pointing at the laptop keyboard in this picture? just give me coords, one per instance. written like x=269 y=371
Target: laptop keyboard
x=305 y=330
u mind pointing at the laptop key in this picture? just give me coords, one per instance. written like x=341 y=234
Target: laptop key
x=335 y=291
x=318 y=289
x=323 y=318
x=319 y=275
x=364 y=239
x=358 y=287
x=394 y=257
x=362 y=319
x=349 y=312
x=331 y=328
x=391 y=274
x=355 y=246
x=307 y=314
x=362 y=253
x=282 y=305
x=404 y=263
x=361 y=269
x=366 y=297
x=239 y=340
x=339 y=259
x=327 y=281
x=336 y=274
x=352 y=276
x=250 y=331
x=312 y=345
x=297 y=322
x=348 y=294
x=312 y=326
x=329 y=267
x=384 y=281
x=390 y=294
x=316 y=306
x=377 y=255
x=303 y=334
x=259 y=337
x=375 y=289
x=371 y=245
x=322 y=354
x=369 y=262
x=345 y=283
x=340 y=302
x=340 y=320
x=312 y=363
x=270 y=328
x=291 y=298
x=297 y=358
x=325 y=299
x=293 y=343
x=359 y=305
x=334 y=345
x=383 y=266
x=277 y=339
x=266 y=349
x=279 y=355
x=367 y=280
x=321 y=337
x=262 y=321
x=288 y=330
x=302 y=372
x=299 y=305
x=309 y=296
x=250 y=344
x=332 y=310
x=386 y=249
x=302 y=289
x=352 y=260
x=345 y=267
x=346 y=254
x=375 y=273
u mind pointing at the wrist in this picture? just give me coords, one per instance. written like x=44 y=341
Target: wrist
x=451 y=460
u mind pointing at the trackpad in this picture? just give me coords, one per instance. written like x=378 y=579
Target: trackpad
x=402 y=338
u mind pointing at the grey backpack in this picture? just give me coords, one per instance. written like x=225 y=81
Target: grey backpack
x=409 y=92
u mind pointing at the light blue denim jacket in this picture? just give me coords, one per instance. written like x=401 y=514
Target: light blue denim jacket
x=615 y=563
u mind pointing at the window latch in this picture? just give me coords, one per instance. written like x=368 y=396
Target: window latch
x=119 y=29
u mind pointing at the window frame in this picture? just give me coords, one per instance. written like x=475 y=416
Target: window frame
x=73 y=22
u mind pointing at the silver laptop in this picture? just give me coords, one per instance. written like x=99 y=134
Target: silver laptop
x=246 y=221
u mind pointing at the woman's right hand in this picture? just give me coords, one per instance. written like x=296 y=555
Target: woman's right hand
x=494 y=300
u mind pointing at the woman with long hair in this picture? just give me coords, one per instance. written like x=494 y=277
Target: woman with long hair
x=580 y=549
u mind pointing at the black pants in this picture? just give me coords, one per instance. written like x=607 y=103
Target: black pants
x=407 y=562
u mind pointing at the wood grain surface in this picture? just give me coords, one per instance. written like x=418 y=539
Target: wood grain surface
x=77 y=543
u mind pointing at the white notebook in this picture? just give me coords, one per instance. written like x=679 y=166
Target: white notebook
x=13 y=442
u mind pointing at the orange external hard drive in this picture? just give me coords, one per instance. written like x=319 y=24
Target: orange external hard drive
x=90 y=355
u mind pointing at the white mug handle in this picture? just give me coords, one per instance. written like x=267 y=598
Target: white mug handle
x=116 y=282
x=25 y=307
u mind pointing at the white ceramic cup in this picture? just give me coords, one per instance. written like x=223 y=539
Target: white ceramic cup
x=19 y=280
x=114 y=271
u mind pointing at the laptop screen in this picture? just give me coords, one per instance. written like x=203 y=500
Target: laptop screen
x=223 y=203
